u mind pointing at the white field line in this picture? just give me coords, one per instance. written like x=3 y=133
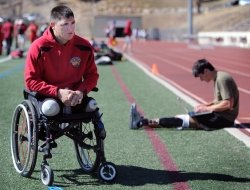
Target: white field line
x=188 y=70
x=5 y=59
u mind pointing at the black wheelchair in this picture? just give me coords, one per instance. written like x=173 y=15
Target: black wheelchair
x=32 y=131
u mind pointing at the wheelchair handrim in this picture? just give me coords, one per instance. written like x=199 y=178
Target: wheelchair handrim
x=15 y=160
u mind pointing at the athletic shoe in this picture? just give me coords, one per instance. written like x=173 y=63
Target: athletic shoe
x=180 y=128
x=135 y=117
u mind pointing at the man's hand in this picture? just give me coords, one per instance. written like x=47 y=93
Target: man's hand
x=201 y=108
x=218 y=107
x=70 y=97
x=75 y=97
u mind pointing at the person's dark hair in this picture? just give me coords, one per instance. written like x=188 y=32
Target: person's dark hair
x=200 y=65
x=61 y=11
x=9 y=19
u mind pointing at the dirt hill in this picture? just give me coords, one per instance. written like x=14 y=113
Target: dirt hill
x=163 y=14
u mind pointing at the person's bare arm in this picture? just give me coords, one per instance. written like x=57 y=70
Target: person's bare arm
x=219 y=107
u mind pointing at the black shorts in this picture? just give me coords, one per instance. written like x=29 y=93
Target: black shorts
x=214 y=120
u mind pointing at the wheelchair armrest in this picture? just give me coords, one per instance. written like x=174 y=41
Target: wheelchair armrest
x=27 y=92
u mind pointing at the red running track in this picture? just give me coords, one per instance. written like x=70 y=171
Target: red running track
x=174 y=61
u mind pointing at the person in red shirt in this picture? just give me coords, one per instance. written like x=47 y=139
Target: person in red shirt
x=60 y=64
x=1 y=36
x=32 y=31
x=127 y=47
x=19 y=33
x=8 y=29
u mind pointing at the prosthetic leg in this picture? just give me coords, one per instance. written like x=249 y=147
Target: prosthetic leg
x=166 y=122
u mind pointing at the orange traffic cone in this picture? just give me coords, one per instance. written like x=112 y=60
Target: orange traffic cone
x=154 y=69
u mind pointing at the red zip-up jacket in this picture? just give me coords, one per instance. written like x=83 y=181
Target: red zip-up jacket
x=50 y=65
x=7 y=30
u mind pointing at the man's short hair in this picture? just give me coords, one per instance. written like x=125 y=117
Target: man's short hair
x=200 y=65
x=61 y=11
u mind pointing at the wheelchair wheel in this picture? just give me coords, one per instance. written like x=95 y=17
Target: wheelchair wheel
x=47 y=175
x=107 y=172
x=24 y=142
x=88 y=155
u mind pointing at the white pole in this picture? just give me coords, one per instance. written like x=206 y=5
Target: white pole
x=190 y=18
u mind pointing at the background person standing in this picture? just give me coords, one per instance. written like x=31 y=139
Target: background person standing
x=127 y=46
x=8 y=30
x=1 y=36
x=32 y=31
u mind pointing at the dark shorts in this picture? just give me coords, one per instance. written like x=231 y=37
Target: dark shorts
x=214 y=120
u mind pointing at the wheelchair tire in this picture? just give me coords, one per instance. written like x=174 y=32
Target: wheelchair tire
x=88 y=156
x=47 y=175
x=24 y=141
x=107 y=172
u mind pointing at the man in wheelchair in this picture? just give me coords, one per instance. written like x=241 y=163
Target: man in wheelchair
x=59 y=73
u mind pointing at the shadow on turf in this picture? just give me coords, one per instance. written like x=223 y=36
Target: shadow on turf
x=138 y=176
x=72 y=177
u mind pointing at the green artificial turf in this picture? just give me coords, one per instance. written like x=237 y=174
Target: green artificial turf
x=206 y=160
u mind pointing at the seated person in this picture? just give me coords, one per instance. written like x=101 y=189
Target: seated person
x=220 y=113
x=60 y=64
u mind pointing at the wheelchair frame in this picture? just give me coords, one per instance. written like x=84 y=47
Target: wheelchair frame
x=29 y=124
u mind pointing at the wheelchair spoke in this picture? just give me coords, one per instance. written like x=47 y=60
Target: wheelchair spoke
x=22 y=139
x=23 y=153
x=86 y=150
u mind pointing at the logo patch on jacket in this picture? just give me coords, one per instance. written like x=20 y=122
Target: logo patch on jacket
x=75 y=61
